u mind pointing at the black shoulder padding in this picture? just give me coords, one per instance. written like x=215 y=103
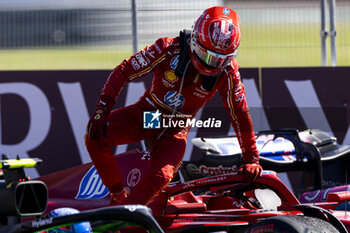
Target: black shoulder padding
x=185 y=35
x=208 y=81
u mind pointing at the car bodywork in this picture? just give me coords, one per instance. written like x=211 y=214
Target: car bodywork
x=207 y=204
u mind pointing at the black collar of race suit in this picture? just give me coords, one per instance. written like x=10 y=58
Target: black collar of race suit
x=182 y=68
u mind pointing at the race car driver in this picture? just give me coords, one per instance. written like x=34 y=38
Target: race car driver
x=187 y=71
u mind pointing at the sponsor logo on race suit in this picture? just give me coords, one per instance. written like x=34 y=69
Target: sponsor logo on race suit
x=159 y=50
x=169 y=79
x=174 y=99
x=200 y=92
x=141 y=60
x=134 y=177
x=91 y=186
x=135 y=64
x=146 y=155
x=148 y=53
x=170 y=76
x=174 y=62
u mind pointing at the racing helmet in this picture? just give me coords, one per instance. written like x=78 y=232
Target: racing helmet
x=214 y=39
x=83 y=227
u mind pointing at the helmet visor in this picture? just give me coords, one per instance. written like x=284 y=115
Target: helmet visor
x=212 y=59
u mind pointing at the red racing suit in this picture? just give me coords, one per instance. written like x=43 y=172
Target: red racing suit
x=171 y=95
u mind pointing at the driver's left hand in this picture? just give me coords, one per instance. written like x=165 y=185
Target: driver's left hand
x=250 y=171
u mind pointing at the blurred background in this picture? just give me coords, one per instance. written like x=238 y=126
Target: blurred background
x=90 y=34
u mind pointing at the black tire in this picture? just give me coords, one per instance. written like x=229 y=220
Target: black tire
x=293 y=224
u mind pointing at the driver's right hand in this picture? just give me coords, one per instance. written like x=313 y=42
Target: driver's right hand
x=98 y=123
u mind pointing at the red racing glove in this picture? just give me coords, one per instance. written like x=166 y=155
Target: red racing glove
x=250 y=171
x=97 y=125
x=251 y=168
x=118 y=198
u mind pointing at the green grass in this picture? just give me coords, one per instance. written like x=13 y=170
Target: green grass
x=61 y=59
x=280 y=45
x=272 y=45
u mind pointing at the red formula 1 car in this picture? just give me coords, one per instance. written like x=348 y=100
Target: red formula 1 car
x=218 y=203
x=222 y=203
x=308 y=158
